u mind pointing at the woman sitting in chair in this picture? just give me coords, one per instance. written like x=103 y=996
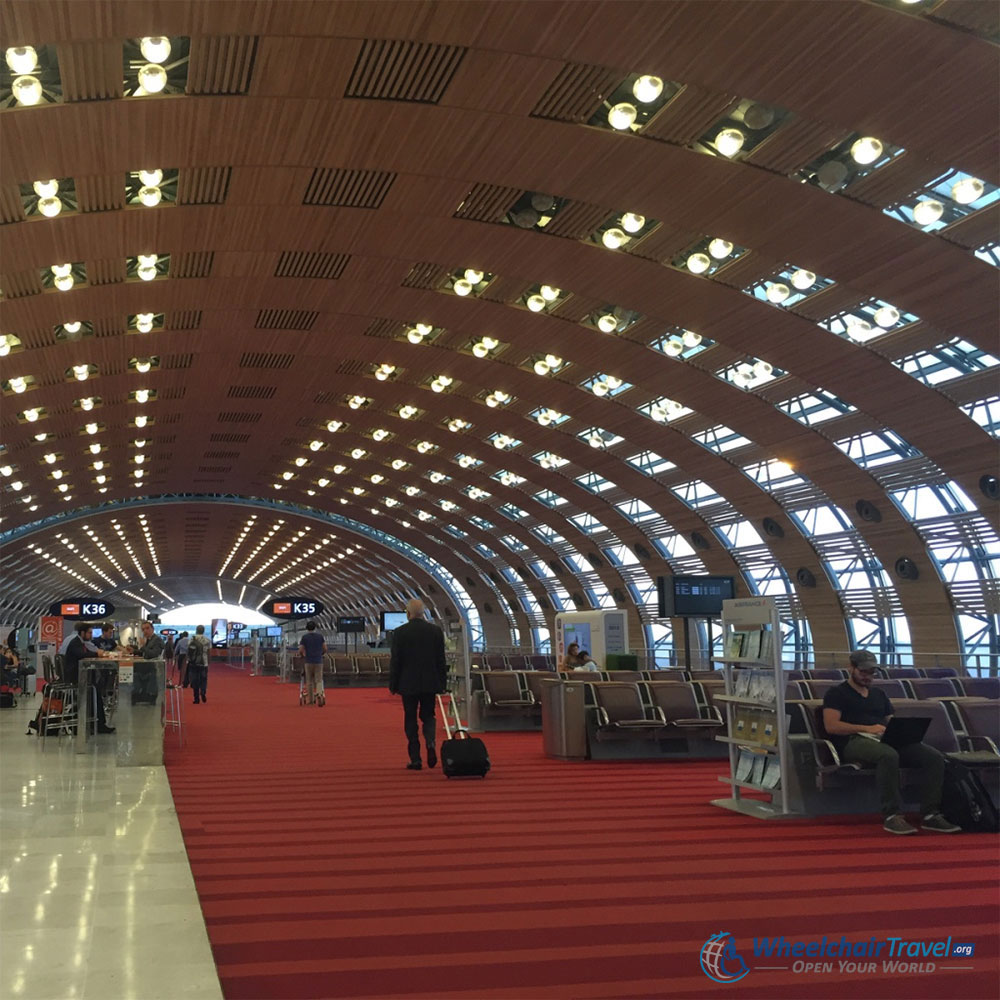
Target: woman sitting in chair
x=571 y=658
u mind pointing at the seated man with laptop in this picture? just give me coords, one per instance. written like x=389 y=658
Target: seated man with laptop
x=858 y=719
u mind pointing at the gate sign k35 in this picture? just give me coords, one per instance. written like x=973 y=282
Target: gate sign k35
x=292 y=607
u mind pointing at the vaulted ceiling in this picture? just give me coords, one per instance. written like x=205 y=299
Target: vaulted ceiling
x=753 y=372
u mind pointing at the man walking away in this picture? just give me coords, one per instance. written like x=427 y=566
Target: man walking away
x=180 y=655
x=418 y=672
x=312 y=648
x=197 y=664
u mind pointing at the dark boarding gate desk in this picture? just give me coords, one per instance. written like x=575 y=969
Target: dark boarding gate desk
x=139 y=715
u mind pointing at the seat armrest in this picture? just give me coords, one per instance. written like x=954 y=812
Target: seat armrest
x=653 y=713
x=979 y=743
x=825 y=754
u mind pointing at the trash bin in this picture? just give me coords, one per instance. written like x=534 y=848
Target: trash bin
x=564 y=730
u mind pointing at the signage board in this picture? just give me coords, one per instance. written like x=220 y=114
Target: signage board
x=84 y=609
x=292 y=607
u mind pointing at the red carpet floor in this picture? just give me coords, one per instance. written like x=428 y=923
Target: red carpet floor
x=325 y=869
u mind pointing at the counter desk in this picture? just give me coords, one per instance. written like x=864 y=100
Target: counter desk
x=137 y=690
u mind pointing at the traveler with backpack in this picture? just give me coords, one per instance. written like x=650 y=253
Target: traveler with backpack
x=197 y=664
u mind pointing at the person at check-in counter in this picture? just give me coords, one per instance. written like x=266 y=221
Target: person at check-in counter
x=106 y=641
x=80 y=648
x=152 y=645
x=855 y=716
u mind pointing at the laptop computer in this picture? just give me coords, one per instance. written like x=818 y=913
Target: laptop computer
x=904 y=730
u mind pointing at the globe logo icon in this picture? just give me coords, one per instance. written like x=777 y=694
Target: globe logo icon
x=720 y=960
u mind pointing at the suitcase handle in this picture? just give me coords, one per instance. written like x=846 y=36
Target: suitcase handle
x=459 y=728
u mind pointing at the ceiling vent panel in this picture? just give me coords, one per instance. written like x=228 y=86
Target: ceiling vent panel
x=386 y=329
x=348 y=188
x=293 y=264
x=174 y=362
x=236 y=417
x=251 y=391
x=689 y=115
x=229 y=438
x=576 y=220
x=100 y=194
x=192 y=265
x=795 y=144
x=286 y=319
x=91 y=71
x=895 y=182
x=259 y=359
x=173 y=392
x=487 y=203
x=203 y=185
x=221 y=454
x=221 y=65
x=425 y=276
x=106 y=272
x=328 y=397
x=577 y=92
x=186 y=319
x=215 y=468
x=17 y=286
x=403 y=70
x=108 y=327
x=354 y=368
x=11 y=206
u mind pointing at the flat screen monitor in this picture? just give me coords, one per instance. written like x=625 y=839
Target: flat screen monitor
x=274 y=631
x=392 y=620
x=220 y=632
x=354 y=623
x=578 y=632
x=693 y=596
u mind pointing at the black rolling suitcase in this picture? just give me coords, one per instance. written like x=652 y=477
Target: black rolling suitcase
x=462 y=755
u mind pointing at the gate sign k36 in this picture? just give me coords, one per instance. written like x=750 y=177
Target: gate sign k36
x=82 y=609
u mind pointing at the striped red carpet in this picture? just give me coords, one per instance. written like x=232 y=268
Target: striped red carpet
x=325 y=869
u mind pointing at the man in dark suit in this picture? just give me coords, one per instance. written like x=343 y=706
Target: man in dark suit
x=418 y=672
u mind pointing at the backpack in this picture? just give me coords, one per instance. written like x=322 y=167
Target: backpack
x=966 y=801
x=196 y=653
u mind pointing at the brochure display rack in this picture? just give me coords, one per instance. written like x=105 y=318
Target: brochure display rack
x=756 y=725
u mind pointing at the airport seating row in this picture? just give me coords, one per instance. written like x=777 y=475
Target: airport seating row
x=967 y=729
x=921 y=688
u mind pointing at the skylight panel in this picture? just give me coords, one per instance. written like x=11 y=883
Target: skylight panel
x=749 y=374
x=549 y=460
x=986 y=413
x=872 y=449
x=695 y=493
x=813 y=408
x=481 y=522
x=867 y=321
x=637 y=511
x=588 y=524
x=720 y=439
x=512 y=511
x=649 y=463
x=947 y=361
x=594 y=482
x=550 y=499
x=773 y=473
x=946 y=199
x=598 y=437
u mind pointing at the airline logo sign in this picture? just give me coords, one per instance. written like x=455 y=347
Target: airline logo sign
x=82 y=609
x=293 y=607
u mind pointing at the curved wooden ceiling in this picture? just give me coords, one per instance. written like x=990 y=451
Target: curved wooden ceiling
x=329 y=167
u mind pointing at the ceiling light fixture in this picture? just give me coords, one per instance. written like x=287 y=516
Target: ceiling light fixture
x=925 y=213
x=647 y=89
x=698 y=263
x=803 y=279
x=968 y=190
x=866 y=150
x=632 y=222
x=622 y=116
x=21 y=59
x=613 y=238
x=720 y=249
x=27 y=90
x=729 y=141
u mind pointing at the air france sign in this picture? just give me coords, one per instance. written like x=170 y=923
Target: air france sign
x=292 y=607
x=82 y=609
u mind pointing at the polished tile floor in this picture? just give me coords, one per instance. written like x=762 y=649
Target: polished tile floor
x=96 y=895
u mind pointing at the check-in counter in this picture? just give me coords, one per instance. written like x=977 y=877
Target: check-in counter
x=564 y=727
x=138 y=716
